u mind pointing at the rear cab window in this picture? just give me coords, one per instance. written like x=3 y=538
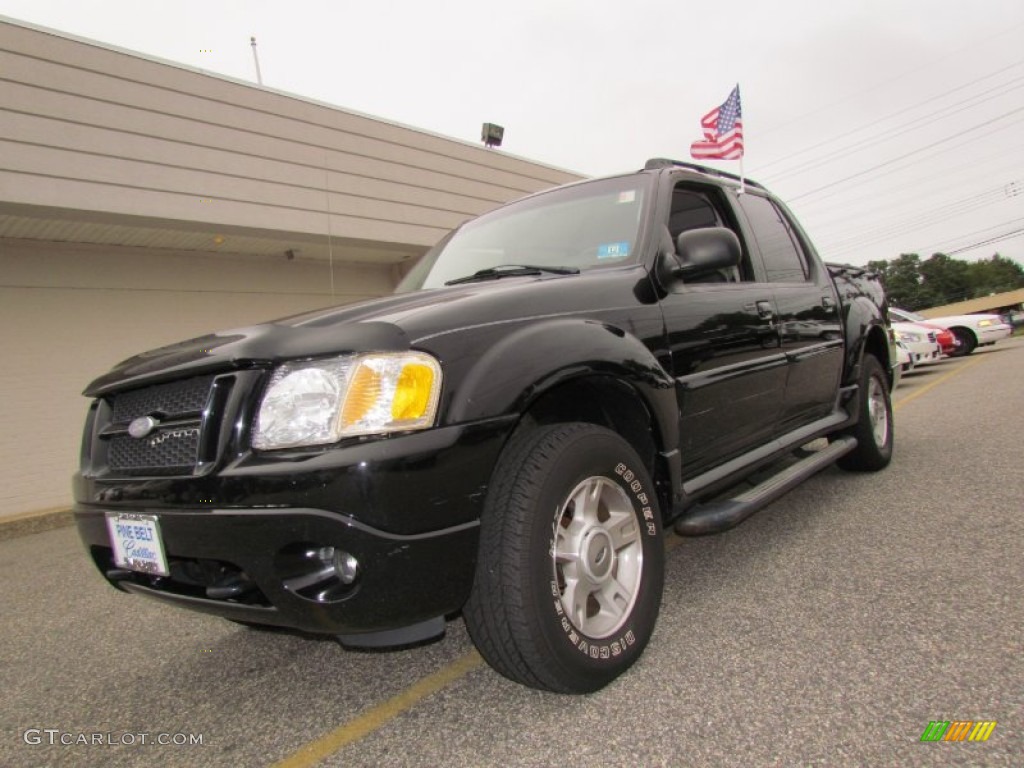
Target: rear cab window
x=784 y=260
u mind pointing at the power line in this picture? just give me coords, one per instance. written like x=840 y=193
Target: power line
x=940 y=244
x=916 y=221
x=857 y=243
x=875 y=139
x=890 y=80
x=874 y=123
x=923 y=220
x=917 y=151
x=999 y=239
x=975 y=164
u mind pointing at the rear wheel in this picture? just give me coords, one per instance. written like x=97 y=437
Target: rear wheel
x=968 y=341
x=569 y=576
x=874 y=427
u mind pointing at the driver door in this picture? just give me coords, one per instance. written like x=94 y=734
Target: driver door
x=724 y=341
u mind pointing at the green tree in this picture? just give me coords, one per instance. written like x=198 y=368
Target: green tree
x=994 y=275
x=914 y=284
x=946 y=279
x=904 y=283
x=881 y=267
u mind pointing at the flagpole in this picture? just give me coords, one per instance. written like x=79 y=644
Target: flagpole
x=743 y=187
x=256 y=58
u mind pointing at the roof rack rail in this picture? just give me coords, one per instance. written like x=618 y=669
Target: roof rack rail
x=663 y=162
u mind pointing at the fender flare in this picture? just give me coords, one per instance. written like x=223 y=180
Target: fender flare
x=862 y=318
x=553 y=352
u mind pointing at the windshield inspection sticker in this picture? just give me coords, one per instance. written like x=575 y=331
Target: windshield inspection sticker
x=613 y=250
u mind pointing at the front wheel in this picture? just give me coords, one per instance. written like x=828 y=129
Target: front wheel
x=968 y=341
x=570 y=570
x=874 y=428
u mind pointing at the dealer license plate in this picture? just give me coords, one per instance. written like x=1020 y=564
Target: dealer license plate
x=137 y=543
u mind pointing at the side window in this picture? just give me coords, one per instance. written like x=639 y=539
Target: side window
x=783 y=261
x=690 y=210
x=696 y=208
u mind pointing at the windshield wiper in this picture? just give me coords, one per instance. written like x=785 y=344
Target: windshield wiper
x=513 y=270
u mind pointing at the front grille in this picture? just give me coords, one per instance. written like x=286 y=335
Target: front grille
x=195 y=422
x=173 y=446
x=161 y=453
x=178 y=398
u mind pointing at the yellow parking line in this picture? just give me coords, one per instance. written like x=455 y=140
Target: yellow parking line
x=368 y=722
x=375 y=718
x=312 y=753
x=932 y=384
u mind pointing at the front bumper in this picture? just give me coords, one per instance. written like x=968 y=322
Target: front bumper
x=993 y=333
x=246 y=543
x=925 y=353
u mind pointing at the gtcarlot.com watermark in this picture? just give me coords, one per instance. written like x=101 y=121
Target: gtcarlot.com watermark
x=57 y=737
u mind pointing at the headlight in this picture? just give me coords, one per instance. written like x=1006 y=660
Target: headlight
x=910 y=338
x=322 y=401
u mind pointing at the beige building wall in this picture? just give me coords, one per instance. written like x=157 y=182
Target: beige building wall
x=143 y=202
x=70 y=312
x=89 y=128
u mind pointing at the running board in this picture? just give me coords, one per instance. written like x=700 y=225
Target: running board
x=718 y=516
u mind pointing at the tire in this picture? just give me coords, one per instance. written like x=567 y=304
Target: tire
x=874 y=427
x=563 y=600
x=968 y=342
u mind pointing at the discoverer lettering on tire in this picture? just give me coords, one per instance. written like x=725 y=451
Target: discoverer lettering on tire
x=567 y=600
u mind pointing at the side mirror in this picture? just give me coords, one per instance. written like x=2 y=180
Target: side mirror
x=699 y=252
x=704 y=250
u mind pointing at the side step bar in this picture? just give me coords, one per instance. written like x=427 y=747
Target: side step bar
x=718 y=516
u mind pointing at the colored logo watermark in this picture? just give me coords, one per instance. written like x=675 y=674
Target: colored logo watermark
x=958 y=730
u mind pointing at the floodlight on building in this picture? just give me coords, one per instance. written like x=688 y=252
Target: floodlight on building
x=492 y=134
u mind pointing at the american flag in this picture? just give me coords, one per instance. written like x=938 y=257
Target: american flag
x=723 y=131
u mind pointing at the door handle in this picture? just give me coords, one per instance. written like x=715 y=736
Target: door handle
x=765 y=310
x=827 y=303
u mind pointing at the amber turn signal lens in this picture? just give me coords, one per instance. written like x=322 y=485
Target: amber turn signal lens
x=413 y=392
x=364 y=392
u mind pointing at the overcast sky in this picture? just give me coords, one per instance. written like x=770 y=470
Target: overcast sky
x=890 y=126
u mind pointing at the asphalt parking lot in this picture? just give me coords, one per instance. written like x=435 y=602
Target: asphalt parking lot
x=829 y=629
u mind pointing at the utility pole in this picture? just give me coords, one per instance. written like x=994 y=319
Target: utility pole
x=256 y=58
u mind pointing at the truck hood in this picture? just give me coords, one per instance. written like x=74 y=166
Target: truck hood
x=393 y=323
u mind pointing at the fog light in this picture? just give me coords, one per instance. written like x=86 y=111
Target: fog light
x=346 y=565
x=323 y=574
x=325 y=553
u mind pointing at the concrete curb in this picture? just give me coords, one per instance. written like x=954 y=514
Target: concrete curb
x=34 y=522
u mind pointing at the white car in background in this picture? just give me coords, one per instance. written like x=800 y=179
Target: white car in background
x=904 y=363
x=919 y=341
x=970 y=330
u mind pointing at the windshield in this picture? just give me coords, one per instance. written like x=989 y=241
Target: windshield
x=581 y=227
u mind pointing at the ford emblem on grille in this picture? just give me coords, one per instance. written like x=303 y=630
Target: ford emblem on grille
x=142 y=426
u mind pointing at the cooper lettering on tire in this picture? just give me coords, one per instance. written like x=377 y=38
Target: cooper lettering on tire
x=570 y=569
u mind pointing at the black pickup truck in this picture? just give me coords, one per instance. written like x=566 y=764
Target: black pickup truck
x=507 y=436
